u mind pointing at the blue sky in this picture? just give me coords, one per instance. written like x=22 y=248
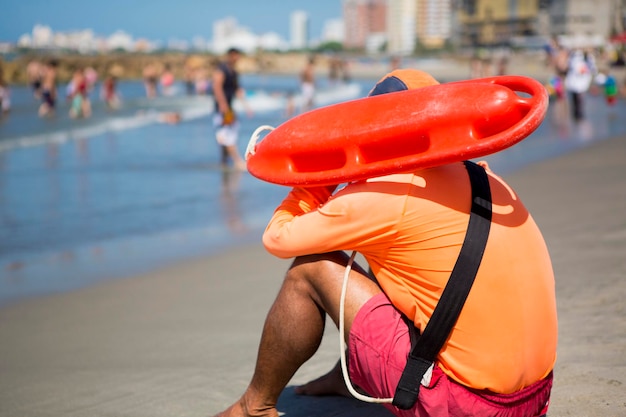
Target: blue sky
x=159 y=19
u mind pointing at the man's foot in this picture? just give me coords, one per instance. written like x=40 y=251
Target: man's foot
x=239 y=409
x=330 y=384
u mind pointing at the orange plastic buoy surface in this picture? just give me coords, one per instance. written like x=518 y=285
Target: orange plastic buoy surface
x=400 y=131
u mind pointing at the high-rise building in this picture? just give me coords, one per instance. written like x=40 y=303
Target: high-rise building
x=498 y=22
x=495 y=22
x=401 y=30
x=364 y=20
x=223 y=31
x=299 y=30
x=434 y=22
x=333 y=31
x=227 y=34
x=120 y=40
x=42 y=36
x=582 y=17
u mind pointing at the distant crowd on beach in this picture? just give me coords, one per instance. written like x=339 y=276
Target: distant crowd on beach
x=576 y=72
x=5 y=94
x=159 y=80
x=43 y=79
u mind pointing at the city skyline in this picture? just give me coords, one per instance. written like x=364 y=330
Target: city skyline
x=160 y=20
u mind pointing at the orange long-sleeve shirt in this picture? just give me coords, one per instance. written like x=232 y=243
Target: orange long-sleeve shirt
x=410 y=228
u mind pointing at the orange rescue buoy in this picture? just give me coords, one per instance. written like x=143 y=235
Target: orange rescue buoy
x=399 y=131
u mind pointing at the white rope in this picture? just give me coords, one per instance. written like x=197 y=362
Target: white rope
x=251 y=148
x=342 y=341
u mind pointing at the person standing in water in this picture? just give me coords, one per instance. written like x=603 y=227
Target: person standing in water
x=34 y=73
x=80 y=105
x=577 y=82
x=225 y=88
x=5 y=95
x=48 y=89
x=150 y=80
x=307 y=85
x=109 y=92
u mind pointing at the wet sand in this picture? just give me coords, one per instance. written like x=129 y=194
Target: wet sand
x=182 y=341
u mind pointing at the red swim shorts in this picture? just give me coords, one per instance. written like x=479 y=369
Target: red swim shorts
x=378 y=347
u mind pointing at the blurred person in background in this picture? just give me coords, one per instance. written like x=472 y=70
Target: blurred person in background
x=577 y=81
x=48 y=88
x=150 y=80
x=109 y=92
x=167 y=81
x=5 y=95
x=307 y=84
x=78 y=95
x=225 y=88
x=34 y=73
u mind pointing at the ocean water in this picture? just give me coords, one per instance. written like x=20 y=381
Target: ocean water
x=122 y=193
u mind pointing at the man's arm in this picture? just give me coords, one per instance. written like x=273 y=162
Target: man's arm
x=218 y=91
x=309 y=221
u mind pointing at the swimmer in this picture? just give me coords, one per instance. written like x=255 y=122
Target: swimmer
x=48 y=89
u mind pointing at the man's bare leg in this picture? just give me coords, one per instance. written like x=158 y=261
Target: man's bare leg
x=224 y=157
x=295 y=324
x=238 y=161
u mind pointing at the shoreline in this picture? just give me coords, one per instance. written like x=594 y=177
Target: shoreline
x=182 y=340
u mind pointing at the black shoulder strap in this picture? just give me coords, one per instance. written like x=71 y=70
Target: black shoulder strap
x=424 y=352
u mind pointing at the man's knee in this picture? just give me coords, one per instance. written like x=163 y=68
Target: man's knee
x=318 y=265
x=316 y=276
x=325 y=272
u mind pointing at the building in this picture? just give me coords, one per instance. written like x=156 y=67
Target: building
x=120 y=40
x=401 y=30
x=42 y=37
x=495 y=22
x=83 y=41
x=299 y=30
x=583 y=23
x=397 y=25
x=434 y=22
x=223 y=31
x=333 y=31
x=227 y=33
x=365 y=21
x=272 y=41
x=532 y=22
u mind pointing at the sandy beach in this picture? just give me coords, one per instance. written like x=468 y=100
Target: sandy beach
x=181 y=341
